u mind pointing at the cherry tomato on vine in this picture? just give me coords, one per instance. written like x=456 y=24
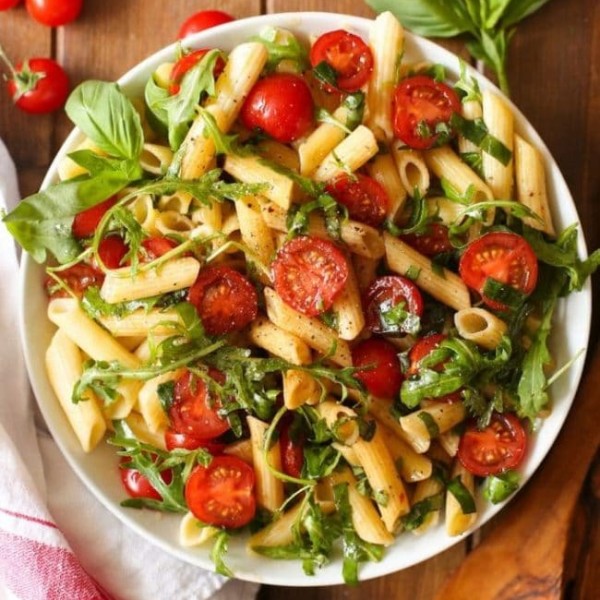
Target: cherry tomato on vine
x=434 y=240
x=85 y=222
x=54 y=12
x=112 y=250
x=222 y=494
x=498 y=447
x=38 y=85
x=385 y=294
x=503 y=256
x=366 y=199
x=138 y=485
x=181 y=439
x=187 y=62
x=204 y=19
x=77 y=277
x=347 y=54
x=421 y=107
x=225 y=300
x=384 y=377
x=195 y=411
x=309 y=274
x=281 y=105
x=8 y=4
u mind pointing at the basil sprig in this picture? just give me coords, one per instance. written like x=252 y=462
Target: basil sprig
x=487 y=24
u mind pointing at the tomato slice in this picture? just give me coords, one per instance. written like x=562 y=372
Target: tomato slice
x=181 y=439
x=347 y=54
x=421 y=106
x=138 y=485
x=291 y=446
x=384 y=377
x=195 y=411
x=85 y=222
x=498 y=447
x=186 y=63
x=309 y=273
x=112 y=250
x=222 y=494
x=77 y=277
x=386 y=293
x=422 y=348
x=225 y=300
x=281 y=105
x=503 y=256
x=156 y=246
x=433 y=241
x=366 y=199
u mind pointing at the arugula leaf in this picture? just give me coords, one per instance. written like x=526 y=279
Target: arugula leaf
x=107 y=117
x=298 y=217
x=282 y=45
x=320 y=461
x=218 y=552
x=224 y=143
x=467 y=85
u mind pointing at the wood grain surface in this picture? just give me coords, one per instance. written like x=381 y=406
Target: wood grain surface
x=554 y=70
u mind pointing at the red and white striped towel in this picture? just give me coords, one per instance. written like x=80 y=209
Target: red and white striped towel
x=45 y=553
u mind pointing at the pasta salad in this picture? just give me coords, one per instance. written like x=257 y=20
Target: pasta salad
x=303 y=291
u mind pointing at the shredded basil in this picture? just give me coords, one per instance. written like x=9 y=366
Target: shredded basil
x=419 y=511
x=503 y=293
x=476 y=132
x=497 y=488
x=462 y=495
x=432 y=427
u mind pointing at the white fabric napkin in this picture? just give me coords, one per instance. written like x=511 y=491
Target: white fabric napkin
x=45 y=554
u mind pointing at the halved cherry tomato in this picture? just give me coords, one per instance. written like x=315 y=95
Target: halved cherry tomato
x=54 y=12
x=185 y=63
x=347 y=54
x=503 y=256
x=137 y=485
x=157 y=245
x=225 y=300
x=85 y=222
x=181 y=439
x=421 y=104
x=281 y=105
x=291 y=447
x=77 y=277
x=309 y=273
x=384 y=377
x=433 y=241
x=419 y=351
x=366 y=199
x=384 y=294
x=38 y=85
x=204 y=19
x=498 y=447
x=222 y=494
x=194 y=410
x=112 y=250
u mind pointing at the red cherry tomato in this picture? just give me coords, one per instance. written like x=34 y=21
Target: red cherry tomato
x=385 y=377
x=384 y=294
x=137 y=485
x=498 y=447
x=225 y=300
x=503 y=256
x=78 y=278
x=347 y=54
x=420 y=104
x=419 y=351
x=39 y=85
x=366 y=199
x=112 y=250
x=54 y=12
x=185 y=63
x=309 y=273
x=281 y=105
x=85 y=222
x=222 y=494
x=291 y=447
x=205 y=19
x=8 y=4
x=433 y=241
x=194 y=410
x=156 y=246
x=180 y=439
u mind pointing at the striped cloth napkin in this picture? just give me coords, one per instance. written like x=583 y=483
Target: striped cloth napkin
x=45 y=553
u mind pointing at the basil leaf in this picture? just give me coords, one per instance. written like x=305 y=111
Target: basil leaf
x=503 y=293
x=476 y=131
x=107 y=117
x=457 y=488
x=154 y=98
x=326 y=74
x=166 y=394
x=432 y=427
x=419 y=511
x=497 y=488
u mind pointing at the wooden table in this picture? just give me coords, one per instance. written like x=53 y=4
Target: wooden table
x=555 y=75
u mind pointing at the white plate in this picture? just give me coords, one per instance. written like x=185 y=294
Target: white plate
x=98 y=470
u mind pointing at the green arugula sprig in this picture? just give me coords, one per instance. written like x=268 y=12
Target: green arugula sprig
x=282 y=45
x=488 y=24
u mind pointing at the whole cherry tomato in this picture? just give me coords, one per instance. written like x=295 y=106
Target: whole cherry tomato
x=85 y=222
x=434 y=240
x=78 y=278
x=112 y=250
x=38 y=85
x=138 y=485
x=54 y=12
x=382 y=375
x=205 y=19
x=8 y=4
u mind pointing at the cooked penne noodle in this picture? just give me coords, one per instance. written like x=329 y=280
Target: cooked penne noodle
x=193 y=532
x=171 y=222
x=427 y=489
x=383 y=169
x=279 y=532
x=180 y=202
x=457 y=522
x=279 y=342
x=365 y=270
x=341 y=420
x=241 y=449
x=279 y=153
x=300 y=388
x=144 y=212
x=449 y=441
x=140 y=322
x=149 y=404
x=480 y=326
x=156 y=158
x=471 y=110
x=139 y=427
x=411 y=465
x=350 y=319
x=381 y=409
x=413 y=172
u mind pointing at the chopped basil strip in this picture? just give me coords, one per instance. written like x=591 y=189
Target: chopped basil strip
x=166 y=394
x=477 y=132
x=419 y=511
x=429 y=422
x=413 y=272
x=462 y=495
x=325 y=73
x=503 y=293
x=497 y=488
